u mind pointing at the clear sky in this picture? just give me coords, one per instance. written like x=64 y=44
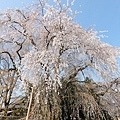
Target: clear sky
x=102 y=14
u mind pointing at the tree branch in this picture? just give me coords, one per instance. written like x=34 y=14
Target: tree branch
x=14 y=66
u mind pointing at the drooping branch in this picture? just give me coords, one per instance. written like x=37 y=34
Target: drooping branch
x=32 y=41
x=42 y=8
x=20 y=44
x=21 y=13
x=76 y=71
x=116 y=81
x=12 y=60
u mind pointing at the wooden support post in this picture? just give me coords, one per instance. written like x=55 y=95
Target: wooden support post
x=31 y=97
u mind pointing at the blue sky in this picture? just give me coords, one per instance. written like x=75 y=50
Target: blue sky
x=101 y=14
x=104 y=14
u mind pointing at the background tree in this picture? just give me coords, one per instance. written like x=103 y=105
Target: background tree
x=10 y=93
x=11 y=50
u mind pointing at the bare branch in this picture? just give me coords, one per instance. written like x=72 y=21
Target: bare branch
x=12 y=60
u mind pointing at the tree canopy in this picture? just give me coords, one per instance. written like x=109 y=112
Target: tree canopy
x=42 y=47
